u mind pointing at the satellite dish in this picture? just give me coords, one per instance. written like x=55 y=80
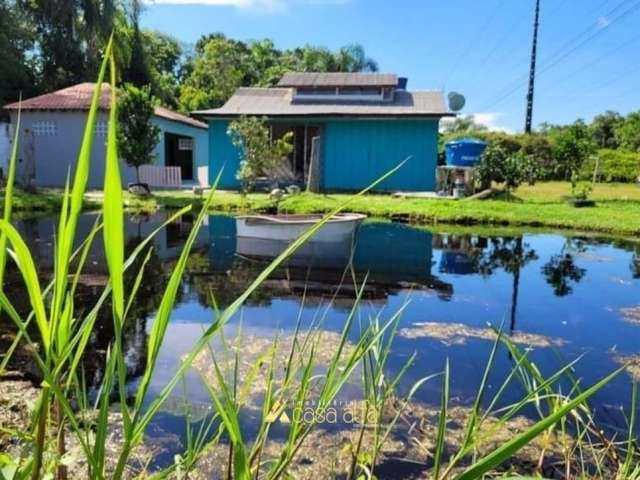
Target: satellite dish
x=456 y=101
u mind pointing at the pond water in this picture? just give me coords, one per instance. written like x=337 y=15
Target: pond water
x=564 y=295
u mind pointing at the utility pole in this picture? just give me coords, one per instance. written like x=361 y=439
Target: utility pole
x=532 y=70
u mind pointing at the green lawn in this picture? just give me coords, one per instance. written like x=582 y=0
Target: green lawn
x=617 y=209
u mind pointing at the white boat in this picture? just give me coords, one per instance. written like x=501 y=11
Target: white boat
x=289 y=227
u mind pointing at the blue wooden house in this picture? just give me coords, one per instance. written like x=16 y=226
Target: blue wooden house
x=364 y=124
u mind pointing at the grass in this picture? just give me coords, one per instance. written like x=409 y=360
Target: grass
x=617 y=209
x=60 y=335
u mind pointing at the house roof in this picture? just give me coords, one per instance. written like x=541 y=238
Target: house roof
x=78 y=97
x=312 y=79
x=279 y=102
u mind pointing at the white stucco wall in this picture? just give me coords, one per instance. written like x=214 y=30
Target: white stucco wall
x=5 y=147
x=55 y=154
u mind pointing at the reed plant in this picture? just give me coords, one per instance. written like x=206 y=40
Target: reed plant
x=59 y=335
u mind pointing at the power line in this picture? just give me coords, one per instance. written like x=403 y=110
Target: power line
x=473 y=44
x=518 y=82
x=558 y=56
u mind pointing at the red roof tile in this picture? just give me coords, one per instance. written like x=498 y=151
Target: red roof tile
x=78 y=97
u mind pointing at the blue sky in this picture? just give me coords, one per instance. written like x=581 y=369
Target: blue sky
x=588 y=58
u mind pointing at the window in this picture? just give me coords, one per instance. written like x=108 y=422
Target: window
x=101 y=128
x=185 y=144
x=44 y=128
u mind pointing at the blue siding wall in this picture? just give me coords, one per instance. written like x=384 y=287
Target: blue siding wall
x=223 y=154
x=357 y=152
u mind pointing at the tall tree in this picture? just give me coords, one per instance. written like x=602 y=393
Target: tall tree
x=628 y=132
x=215 y=75
x=138 y=71
x=16 y=40
x=61 y=56
x=603 y=128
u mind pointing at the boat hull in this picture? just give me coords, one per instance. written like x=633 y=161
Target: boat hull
x=287 y=228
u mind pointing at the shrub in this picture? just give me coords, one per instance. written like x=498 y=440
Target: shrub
x=137 y=134
x=512 y=169
x=259 y=154
x=612 y=166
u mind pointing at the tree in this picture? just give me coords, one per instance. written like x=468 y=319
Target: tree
x=512 y=169
x=216 y=75
x=18 y=72
x=628 y=132
x=137 y=72
x=164 y=60
x=463 y=124
x=259 y=154
x=352 y=58
x=603 y=128
x=137 y=135
x=571 y=145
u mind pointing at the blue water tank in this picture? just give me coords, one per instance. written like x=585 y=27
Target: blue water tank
x=464 y=152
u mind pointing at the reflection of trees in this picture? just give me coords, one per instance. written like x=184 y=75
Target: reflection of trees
x=560 y=270
x=225 y=287
x=510 y=254
x=635 y=265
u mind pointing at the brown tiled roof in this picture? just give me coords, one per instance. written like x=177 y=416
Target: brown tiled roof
x=278 y=102
x=78 y=97
x=312 y=79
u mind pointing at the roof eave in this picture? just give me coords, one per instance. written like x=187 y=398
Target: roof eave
x=222 y=115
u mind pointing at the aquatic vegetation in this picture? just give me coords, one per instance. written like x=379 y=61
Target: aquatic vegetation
x=631 y=314
x=458 y=334
x=99 y=433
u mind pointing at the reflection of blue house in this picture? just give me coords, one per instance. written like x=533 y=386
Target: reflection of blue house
x=222 y=242
x=364 y=125
x=393 y=252
x=456 y=262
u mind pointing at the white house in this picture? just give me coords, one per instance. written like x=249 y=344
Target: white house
x=51 y=132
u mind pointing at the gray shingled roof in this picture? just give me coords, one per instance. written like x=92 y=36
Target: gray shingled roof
x=278 y=102
x=312 y=79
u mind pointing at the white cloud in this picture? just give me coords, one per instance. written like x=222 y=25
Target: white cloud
x=488 y=119
x=250 y=5
x=491 y=120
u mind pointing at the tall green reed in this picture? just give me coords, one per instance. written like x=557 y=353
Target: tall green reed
x=64 y=336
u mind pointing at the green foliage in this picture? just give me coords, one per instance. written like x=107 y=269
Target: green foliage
x=220 y=65
x=137 y=135
x=499 y=165
x=215 y=76
x=612 y=166
x=259 y=154
x=604 y=127
x=570 y=146
x=628 y=132
x=17 y=37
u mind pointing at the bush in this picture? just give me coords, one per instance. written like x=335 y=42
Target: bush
x=613 y=166
x=511 y=168
x=260 y=154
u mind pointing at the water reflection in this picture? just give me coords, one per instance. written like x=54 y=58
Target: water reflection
x=547 y=286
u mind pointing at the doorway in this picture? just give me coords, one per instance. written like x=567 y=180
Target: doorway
x=178 y=151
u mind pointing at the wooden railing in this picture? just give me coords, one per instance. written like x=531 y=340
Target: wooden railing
x=156 y=176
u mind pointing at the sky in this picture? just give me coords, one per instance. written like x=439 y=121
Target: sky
x=588 y=50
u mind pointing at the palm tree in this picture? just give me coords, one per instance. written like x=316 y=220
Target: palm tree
x=352 y=58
